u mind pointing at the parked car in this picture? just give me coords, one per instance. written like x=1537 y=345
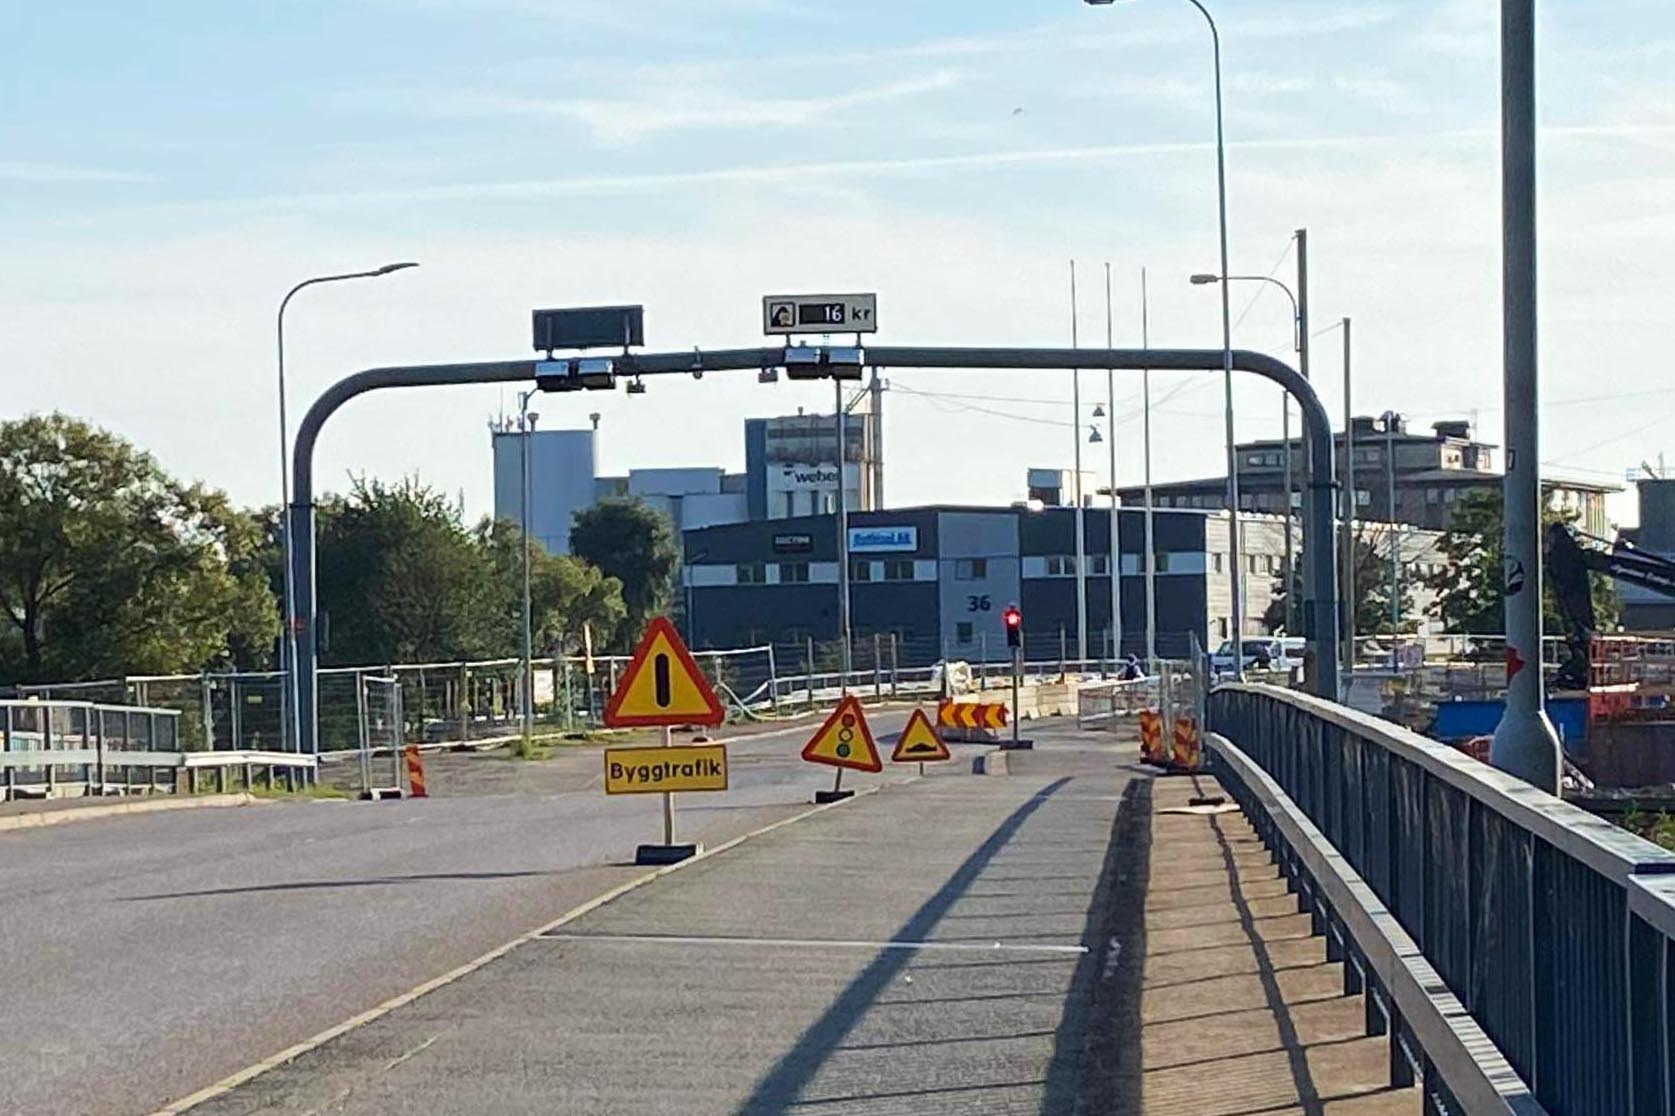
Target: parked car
x=1261 y=653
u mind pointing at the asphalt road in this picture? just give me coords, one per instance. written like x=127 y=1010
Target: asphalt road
x=954 y=945
x=143 y=958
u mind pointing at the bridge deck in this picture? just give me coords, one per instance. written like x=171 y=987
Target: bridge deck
x=1242 y=1011
x=1056 y=940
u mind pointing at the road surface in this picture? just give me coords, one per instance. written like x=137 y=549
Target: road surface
x=143 y=958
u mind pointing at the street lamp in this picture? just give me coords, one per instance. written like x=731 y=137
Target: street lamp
x=289 y=652
x=1236 y=589
x=1392 y=421
x=1300 y=342
x=526 y=426
x=842 y=509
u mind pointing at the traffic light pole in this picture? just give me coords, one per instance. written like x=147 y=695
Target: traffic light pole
x=1017 y=680
x=1324 y=606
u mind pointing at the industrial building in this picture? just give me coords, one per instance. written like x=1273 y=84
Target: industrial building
x=1431 y=471
x=936 y=580
x=791 y=469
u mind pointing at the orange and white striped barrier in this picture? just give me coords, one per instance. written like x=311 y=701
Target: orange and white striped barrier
x=971 y=715
x=1185 y=757
x=1151 y=737
x=415 y=772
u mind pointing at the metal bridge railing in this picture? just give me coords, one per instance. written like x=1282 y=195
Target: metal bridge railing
x=52 y=748
x=1470 y=904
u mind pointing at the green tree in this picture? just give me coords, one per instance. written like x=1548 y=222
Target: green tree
x=1469 y=584
x=401 y=579
x=633 y=543
x=109 y=566
x=565 y=593
x=1372 y=587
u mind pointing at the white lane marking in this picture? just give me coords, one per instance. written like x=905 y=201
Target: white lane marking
x=810 y=943
x=291 y=1053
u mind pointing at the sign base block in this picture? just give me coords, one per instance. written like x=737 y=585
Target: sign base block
x=824 y=797
x=1017 y=745
x=658 y=855
x=379 y=794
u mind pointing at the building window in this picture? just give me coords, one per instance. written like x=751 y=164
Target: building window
x=793 y=573
x=898 y=569
x=971 y=569
x=1215 y=563
x=962 y=631
x=1363 y=498
x=1061 y=565
x=1162 y=561
x=1101 y=564
x=860 y=571
x=752 y=573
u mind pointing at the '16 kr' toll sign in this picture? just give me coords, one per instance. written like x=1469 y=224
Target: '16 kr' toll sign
x=695 y=767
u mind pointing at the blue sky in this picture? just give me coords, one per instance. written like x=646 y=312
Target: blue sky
x=168 y=169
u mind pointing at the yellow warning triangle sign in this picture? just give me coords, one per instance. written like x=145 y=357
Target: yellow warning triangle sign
x=662 y=685
x=845 y=740
x=919 y=742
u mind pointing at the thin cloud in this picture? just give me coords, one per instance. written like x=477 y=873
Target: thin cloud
x=52 y=172
x=778 y=173
x=629 y=119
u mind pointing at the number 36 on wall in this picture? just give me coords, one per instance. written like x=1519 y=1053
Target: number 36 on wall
x=978 y=604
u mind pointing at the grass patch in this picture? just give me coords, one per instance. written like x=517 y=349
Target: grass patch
x=318 y=791
x=1658 y=828
x=535 y=748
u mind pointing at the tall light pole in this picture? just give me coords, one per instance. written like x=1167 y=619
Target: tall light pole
x=1114 y=567
x=526 y=427
x=1301 y=343
x=842 y=518
x=1391 y=420
x=1349 y=501
x=289 y=647
x=1076 y=484
x=1235 y=584
x=1524 y=744
x=1146 y=444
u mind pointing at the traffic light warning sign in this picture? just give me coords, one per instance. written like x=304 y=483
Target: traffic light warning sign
x=844 y=740
x=662 y=685
x=918 y=742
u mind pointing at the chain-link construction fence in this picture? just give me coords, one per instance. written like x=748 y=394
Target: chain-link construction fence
x=468 y=702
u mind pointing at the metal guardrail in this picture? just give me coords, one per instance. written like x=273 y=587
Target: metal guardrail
x=48 y=748
x=1517 y=949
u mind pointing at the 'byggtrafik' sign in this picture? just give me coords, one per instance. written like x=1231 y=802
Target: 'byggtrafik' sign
x=883 y=540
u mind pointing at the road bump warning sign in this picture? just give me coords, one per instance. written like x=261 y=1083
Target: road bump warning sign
x=918 y=742
x=687 y=767
x=845 y=740
x=662 y=685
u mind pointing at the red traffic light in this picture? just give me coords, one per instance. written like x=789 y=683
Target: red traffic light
x=1012 y=616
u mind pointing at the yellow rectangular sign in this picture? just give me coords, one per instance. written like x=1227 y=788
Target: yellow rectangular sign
x=688 y=767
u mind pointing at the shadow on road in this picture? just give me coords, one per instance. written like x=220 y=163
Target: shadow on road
x=1035 y=1025
x=326 y=885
